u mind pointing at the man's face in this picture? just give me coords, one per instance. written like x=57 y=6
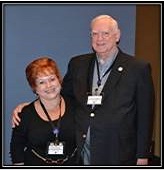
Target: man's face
x=104 y=38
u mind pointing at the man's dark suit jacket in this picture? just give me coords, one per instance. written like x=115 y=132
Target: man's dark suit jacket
x=120 y=131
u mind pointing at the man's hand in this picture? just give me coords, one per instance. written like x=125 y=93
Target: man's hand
x=142 y=161
x=15 y=118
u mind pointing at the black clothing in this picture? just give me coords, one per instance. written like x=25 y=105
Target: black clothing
x=34 y=133
x=120 y=128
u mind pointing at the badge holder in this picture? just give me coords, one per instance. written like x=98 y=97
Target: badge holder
x=95 y=99
x=55 y=148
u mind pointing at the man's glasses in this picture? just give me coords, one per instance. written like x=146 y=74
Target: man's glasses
x=103 y=34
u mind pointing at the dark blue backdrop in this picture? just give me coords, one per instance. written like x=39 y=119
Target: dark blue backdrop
x=60 y=31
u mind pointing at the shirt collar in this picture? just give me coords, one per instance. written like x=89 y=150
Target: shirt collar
x=109 y=60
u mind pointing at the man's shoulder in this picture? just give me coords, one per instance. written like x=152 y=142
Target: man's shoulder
x=83 y=57
x=133 y=59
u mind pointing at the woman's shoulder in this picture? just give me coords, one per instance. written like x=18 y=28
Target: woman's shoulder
x=68 y=104
x=27 y=110
x=69 y=115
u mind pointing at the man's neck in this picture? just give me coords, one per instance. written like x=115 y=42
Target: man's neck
x=105 y=57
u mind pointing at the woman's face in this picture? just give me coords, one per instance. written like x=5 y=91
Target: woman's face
x=48 y=87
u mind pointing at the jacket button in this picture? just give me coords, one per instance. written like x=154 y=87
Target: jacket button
x=84 y=136
x=92 y=115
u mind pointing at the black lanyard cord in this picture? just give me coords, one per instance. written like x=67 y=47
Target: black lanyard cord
x=50 y=121
x=98 y=72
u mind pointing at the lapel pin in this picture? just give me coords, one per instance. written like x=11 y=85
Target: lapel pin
x=120 y=69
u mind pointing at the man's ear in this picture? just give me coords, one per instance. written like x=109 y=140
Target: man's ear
x=118 y=35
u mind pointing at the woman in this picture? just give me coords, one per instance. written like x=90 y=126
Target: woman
x=45 y=135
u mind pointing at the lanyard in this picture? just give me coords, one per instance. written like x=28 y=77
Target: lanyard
x=55 y=129
x=98 y=72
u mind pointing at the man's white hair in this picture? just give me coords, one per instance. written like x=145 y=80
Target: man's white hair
x=112 y=21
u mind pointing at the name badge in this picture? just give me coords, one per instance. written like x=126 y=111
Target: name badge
x=55 y=148
x=94 y=100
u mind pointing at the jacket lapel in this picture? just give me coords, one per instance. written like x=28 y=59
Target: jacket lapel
x=90 y=73
x=114 y=76
x=88 y=69
x=117 y=71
